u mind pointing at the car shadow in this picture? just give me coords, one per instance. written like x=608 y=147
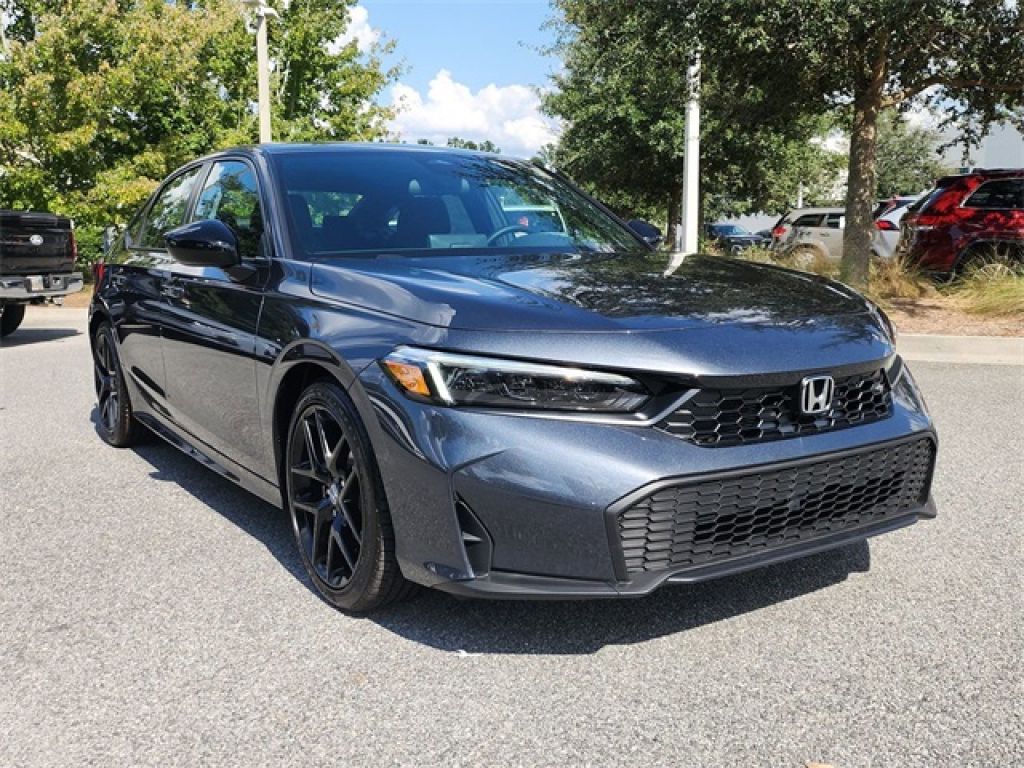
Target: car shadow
x=446 y=623
x=24 y=336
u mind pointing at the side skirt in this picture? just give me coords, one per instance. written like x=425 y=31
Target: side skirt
x=223 y=466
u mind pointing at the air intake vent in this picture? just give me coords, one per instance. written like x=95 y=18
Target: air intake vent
x=475 y=539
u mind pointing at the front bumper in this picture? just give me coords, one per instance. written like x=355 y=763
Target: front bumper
x=504 y=506
x=29 y=287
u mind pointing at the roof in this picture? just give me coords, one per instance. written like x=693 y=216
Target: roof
x=278 y=148
x=802 y=211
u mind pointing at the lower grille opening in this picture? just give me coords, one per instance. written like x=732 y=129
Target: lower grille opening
x=698 y=522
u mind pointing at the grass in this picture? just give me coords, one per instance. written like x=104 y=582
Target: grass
x=992 y=292
x=995 y=291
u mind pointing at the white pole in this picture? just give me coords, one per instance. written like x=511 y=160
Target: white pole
x=263 y=76
x=800 y=195
x=686 y=236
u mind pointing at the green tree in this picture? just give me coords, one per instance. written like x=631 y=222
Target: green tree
x=908 y=159
x=480 y=146
x=100 y=99
x=622 y=93
x=858 y=61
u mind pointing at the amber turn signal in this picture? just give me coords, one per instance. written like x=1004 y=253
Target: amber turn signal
x=409 y=377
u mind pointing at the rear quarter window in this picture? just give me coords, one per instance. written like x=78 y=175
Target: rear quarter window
x=999 y=194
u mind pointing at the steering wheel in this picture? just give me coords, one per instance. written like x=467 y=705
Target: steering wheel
x=506 y=231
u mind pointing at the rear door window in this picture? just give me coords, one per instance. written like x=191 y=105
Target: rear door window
x=169 y=209
x=1000 y=194
x=808 y=220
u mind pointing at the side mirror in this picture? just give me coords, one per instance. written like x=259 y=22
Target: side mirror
x=207 y=243
x=649 y=233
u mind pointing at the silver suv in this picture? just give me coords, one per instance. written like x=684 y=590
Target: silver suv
x=810 y=234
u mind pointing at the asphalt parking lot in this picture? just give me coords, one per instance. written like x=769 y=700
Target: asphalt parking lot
x=153 y=614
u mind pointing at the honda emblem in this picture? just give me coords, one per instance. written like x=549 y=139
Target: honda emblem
x=816 y=394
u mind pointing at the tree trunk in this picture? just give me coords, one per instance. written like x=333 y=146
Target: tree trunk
x=860 y=192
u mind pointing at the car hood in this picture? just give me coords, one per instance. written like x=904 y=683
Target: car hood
x=583 y=293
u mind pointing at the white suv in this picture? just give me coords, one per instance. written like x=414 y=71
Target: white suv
x=811 y=233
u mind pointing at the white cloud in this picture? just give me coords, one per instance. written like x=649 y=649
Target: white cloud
x=358 y=29
x=508 y=115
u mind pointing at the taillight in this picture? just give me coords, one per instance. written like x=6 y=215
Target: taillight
x=778 y=232
x=98 y=270
x=886 y=226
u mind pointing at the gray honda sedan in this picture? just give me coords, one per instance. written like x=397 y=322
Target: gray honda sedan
x=457 y=370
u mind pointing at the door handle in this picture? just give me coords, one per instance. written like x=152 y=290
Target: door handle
x=173 y=291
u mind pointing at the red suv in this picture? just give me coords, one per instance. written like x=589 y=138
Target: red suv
x=970 y=219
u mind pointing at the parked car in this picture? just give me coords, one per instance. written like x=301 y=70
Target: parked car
x=888 y=214
x=37 y=261
x=810 y=233
x=732 y=238
x=967 y=220
x=437 y=397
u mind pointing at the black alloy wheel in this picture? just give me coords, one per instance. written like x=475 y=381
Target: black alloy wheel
x=336 y=502
x=115 y=422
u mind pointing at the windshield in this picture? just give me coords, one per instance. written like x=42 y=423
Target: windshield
x=728 y=230
x=379 y=200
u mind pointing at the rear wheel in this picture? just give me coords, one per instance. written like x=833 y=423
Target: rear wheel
x=336 y=501
x=993 y=259
x=805 y=257
x=12 y=316
x=115 y=423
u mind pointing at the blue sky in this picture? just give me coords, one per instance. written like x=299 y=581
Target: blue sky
x=471 y=67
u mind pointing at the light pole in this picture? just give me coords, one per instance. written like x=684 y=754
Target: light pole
x=686 y=236
x=262 y=11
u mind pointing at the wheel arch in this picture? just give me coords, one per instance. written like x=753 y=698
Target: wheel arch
x=300 y=365
x=99 y=316
x=965 y=251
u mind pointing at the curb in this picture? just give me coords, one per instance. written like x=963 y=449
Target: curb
x=974 y=350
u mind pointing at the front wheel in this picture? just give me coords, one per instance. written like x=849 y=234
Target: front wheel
x=12 y=316
x=336 y=501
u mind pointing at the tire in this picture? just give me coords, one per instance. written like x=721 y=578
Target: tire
x=992 y=259
x=805 y=257
x=335 y=498
x=11 y=319
x=115 y=421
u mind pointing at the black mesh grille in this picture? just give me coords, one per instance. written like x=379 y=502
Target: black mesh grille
x=722 y=417
x=698 y=522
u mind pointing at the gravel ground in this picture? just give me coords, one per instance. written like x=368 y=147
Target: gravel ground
x=153 y=614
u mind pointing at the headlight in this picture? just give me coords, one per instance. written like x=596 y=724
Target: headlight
x=452 y=379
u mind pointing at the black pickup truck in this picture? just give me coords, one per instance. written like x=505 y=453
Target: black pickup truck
x=37 y=262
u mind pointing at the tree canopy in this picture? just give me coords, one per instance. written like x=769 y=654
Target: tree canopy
x=908 y=157
x=858 y=60
x=102 y=98
x=622 y=94
x=770 y=70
